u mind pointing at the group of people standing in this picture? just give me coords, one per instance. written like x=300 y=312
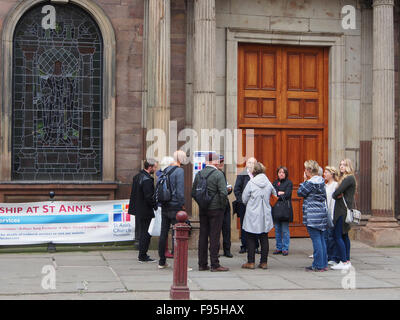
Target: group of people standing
x=324 y=210
x=143 y=203
x=324 y=213
x=213 y=220
x=327 y=194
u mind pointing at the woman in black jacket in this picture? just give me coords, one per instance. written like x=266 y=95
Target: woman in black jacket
x=282 y=212
x=344 y=195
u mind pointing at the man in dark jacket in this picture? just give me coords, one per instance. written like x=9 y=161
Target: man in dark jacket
x=212 y=218
x=226 y=224
x=142 y=206
x=177 y=202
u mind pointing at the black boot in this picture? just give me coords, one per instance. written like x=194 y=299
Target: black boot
x=228 y=254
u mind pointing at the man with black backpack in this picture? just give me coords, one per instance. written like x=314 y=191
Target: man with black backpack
x=142 y=206
x=210 y=192
x=170 y=192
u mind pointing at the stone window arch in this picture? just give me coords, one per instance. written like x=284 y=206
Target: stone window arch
x=58 y=94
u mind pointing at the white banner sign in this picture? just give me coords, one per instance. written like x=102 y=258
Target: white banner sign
x=65 y=222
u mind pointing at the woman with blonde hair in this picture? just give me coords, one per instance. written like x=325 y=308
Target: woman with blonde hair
x=331 y=175
x=315 y=213
x=344 y=196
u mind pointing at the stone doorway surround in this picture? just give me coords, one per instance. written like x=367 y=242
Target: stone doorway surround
x=335 y=41
x=109 y=42
x=336 y=82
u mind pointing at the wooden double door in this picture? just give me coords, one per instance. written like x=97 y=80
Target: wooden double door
x=283 y=97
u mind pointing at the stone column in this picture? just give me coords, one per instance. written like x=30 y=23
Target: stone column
x=366 y=109
x=337 y=110
x=382 y=228
x=204 y=94
x=189 y=61
x=158 y=72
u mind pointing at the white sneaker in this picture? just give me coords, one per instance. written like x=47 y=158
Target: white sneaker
x=341 y=266
x=332 y=263
x=163 y=266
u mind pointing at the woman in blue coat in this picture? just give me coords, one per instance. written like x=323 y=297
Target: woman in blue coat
x=315 y=213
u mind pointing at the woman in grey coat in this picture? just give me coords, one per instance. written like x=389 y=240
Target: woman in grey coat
x=258 y=219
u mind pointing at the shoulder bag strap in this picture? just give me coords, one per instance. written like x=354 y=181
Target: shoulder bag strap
x=344 y=200
x=208 y=175
x=171 y=170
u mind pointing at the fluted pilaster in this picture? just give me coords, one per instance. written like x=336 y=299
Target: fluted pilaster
x=159 y=56
x=383 y=115
x=204 y=66
x=189 y=61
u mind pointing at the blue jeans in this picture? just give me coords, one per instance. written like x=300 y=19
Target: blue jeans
x=331 y=247
x=342 y=241
x=282 y=235
x=319 y=245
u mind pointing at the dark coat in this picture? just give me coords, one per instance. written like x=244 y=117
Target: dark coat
x=177 y=184
x=228 y=205
x=283 y=208
x=142 y=203
x=216 y=186
x=241 y=182
x=347 y=189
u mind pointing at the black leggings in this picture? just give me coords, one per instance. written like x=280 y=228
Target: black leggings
x=251 y=247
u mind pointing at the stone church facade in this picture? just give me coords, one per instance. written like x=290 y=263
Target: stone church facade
x=311 y=79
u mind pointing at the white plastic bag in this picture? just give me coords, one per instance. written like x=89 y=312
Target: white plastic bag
x=155 y=224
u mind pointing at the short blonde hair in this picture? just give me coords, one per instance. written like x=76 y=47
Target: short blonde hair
x=250 y=162
x=334 y=172
x=312 y=166
x=180 y=156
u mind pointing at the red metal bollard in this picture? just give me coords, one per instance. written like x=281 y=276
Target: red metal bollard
x=179 y=289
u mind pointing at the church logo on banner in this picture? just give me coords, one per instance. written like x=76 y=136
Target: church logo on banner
x=122 y=220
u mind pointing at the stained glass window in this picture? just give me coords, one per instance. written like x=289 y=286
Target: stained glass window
x=57 y=97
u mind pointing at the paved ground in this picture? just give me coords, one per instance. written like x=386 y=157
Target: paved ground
x=118 y=275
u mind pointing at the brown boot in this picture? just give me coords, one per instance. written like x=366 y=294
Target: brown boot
x=219 y=269
x=248 y=265
x=263 y=265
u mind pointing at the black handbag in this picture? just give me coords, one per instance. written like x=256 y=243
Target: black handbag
x=235 y=207
x=282 y=211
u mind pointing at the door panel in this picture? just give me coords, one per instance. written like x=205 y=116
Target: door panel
x=282 y=95
x=297 y=147
x=267 y=142
x=258 y=67
x=251 y=68
x=303 y=85
x=289 y=148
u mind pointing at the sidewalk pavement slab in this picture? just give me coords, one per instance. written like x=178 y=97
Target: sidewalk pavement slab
x=106 y=274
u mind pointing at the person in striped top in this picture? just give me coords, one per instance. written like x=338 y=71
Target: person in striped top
x=315 y=213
